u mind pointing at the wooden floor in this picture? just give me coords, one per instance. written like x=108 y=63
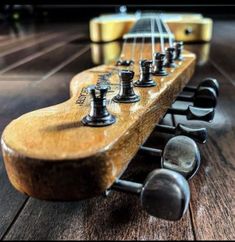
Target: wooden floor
x=36 y=66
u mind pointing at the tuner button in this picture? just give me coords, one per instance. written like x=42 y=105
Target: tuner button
x=170 y=55
x=178 y=50
x=181 y=154
x=145 y=75
x=158 y=68
x=99 y=115
x=205 y=97
x=165 y=194
x=197 y=134
x=212 y=83
x=126 y=89
x=204 y=114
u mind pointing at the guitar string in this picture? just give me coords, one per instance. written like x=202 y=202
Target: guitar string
x=142 y=48
x=152 y=38
x=169 y=33
x=133 y=49
x=122 y=55
x=158 y=21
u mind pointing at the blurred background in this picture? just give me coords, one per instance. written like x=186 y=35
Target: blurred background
x=82 y=11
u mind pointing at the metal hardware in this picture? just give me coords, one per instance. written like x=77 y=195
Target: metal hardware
x=99 y=115
x=126 y=92
x=197 y=134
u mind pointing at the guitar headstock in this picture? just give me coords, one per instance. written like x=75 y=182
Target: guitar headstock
x=80 y=148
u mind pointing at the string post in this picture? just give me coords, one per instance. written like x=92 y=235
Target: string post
x=99 y=115
x=158 y=68
x=170 y=56
x=178 y=50
x=126 y=88
x=145 y=79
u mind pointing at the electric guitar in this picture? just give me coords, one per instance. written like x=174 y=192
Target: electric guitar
x=187 y=27
x=80 y=148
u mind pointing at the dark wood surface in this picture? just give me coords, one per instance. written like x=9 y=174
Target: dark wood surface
x=36 y=66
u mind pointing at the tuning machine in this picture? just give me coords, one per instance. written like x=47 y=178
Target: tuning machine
x=208 y=82
x=126 y=89
x=164 y=194
x=197 y=134
x=158 y=67
x=204 y=97
x=179 y=45
x=194 y=113
x=181 y=154
x=98 y=115
x=145 y=74
x=170 y=57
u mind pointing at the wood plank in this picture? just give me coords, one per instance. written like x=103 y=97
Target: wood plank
x=41 y=62
x=24 y=98
x=19 y=34
x=119 y=216
x=212 y=202
x=39 y=45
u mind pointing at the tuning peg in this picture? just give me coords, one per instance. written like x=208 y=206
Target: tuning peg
x=181 y=154
x=126 y=92
x=194 y=113
x=170 y=56
x=124 y=62
x=178 y=50
x=164 y=194
x=99 y=115
x=204 y=97
x=145 y=75
x=199 y=135
x=208 y=82
x=158 y=68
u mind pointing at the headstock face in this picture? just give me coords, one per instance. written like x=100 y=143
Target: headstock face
x=50 y=154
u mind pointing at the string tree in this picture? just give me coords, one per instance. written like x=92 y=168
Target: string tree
x=121 y=62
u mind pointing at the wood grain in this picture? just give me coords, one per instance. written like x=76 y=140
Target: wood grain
x=38 y=154
x=213 y=188
x=120 y=216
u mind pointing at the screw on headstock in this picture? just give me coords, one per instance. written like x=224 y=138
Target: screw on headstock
x=164 y=194
x=204 y=97
x=170 y=56
x=126 y=89
x=158 y=68
x=181 y=154
x=197 y=134
x=145 y=75
x=178 y=50
x=98 y=115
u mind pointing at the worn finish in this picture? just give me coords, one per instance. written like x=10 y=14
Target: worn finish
x=40 y=160
x=119 y=216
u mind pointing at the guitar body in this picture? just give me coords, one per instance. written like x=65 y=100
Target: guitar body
x=49 y=154
x=186 y=27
